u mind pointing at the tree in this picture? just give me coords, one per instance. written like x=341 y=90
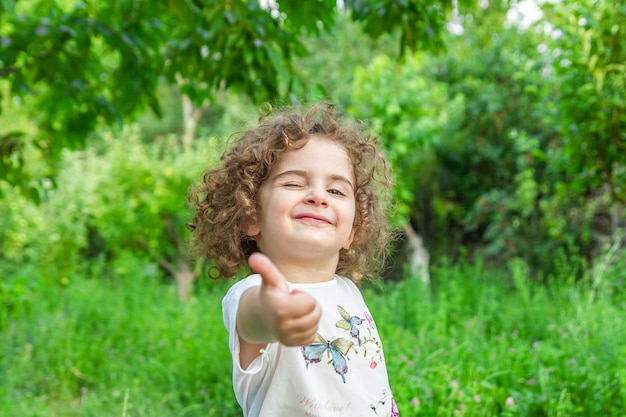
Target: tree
x=589 y=49
x=93 y=63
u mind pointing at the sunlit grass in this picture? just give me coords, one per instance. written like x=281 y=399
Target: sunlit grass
x=116 y=348
x=493 y=344
x=474 y=343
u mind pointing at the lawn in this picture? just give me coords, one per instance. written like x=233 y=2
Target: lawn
x=476 y=342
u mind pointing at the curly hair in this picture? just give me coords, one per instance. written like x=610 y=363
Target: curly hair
x=226 y=197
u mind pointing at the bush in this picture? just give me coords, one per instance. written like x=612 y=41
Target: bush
x=121 y=196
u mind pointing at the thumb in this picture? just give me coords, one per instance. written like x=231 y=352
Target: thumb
x=271 y=276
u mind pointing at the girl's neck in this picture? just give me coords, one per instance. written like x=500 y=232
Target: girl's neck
x=306 y=272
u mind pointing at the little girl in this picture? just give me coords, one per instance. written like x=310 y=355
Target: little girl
x=300 y=199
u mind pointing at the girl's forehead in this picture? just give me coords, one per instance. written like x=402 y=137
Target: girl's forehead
x=317 y=149
x=318 y=155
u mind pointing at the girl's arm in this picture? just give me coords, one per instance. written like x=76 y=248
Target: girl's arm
x=270 y=313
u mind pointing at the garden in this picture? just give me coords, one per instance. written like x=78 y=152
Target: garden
x=506 y=139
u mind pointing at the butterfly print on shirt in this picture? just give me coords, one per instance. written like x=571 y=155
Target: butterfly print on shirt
x=349 y=322
x=337 y=350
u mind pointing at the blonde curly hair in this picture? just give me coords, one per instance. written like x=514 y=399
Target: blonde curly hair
x=225 y=200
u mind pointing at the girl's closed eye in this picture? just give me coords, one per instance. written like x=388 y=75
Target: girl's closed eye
x=293 y=184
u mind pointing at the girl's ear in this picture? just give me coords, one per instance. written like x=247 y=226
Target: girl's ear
x=250 y=227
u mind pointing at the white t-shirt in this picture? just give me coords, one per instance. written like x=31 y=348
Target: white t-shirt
x=341 y=374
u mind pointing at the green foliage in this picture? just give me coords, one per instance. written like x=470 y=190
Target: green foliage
x=493 y=160
x=83 y=65
x=123 y=347
x=492 y=343
x=477 y=135
x=339 y=51
x=120 y=197
x=88 y=64
x=475 y=138
x=422 y=22
x=48 y=238
x=478 y=342
x=134 y=190
x=590 y=79
x=409 y=111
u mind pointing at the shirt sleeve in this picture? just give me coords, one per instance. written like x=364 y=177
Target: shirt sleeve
x=250 y=384
x=230 y=306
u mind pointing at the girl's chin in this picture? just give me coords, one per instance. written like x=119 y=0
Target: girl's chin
x=308 y=249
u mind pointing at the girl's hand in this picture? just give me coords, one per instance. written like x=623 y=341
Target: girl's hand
x=292 y=317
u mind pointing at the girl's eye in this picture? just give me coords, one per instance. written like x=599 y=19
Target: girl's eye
x=292 y=184
x=336 y=192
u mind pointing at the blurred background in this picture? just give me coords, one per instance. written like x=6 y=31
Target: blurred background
x=504 y=122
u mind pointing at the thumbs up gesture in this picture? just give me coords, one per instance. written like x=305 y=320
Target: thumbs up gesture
x=272 y=313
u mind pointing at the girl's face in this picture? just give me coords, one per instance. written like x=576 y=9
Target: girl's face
x=307 y=204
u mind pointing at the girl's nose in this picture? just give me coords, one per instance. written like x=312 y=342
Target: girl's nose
x=317 y=197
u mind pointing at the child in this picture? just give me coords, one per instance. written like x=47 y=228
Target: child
x=299 y=197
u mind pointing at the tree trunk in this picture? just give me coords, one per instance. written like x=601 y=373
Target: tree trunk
x=191 y=118
x=183 y=274
x=191 y=115
x=184 y=277
x=180 y=267
x=419 y=257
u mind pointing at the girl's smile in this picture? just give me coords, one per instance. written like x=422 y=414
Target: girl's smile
x=307 y=205
x=313 y=218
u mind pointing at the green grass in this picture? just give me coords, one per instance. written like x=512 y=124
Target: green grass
x=492 y=344
x=123 y=348
x=476 y=343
